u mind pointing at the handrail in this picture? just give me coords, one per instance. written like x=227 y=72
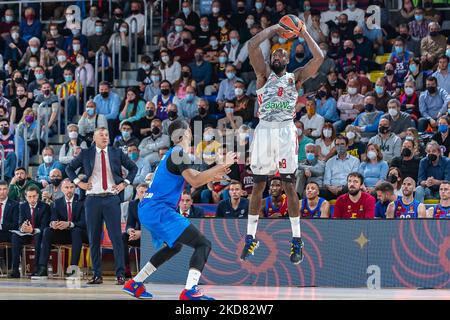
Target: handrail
x=96 y=68
x=25 y=158
x=2 y=152
x=151 y=25
x=119 y=65
x=162 y=13
x=16 y=144
x=145 y=21
x=46 y=120
x=130 y=43
x=66 y=95
x=78 y=83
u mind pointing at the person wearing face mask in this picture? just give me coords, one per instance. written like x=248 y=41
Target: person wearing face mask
x=113 y=24
x=144 y=72
x=366 y=123
x=309 y=170
x=363 y=46
x=355 y=147
x=185 y=53
x=391 y=82
x=354 y=13
x=299 y=55
x=325 y=144
x=174 y=39
x=326 y=104
x=433 y=103
x=234 y=46
x=226 y=87
x=50 y=108
x=409 y=99
x=88 y=25
x=66 y=153
x=244 y=104
x=399 y=120
x=433 y=170
x=20 y=104
x=173 y=114
x=337 y=168
x=202 y=120
x=415 y=73
x=407 y=162
x=30 y=26
x=373 y=168
x=7 y=141
x=389 y=143
x=442 y=135
x=15 y=46
x=58 y=69
x=318 y=29
x=98 y=39
x=185 y=81
x=150 y=146
x=208 y=147
x=33 y=50
x=189 y=16
x=411 y=44
x=48 y=55
x=313 y=122
x=350 y=60
x=19 y=183
x=40 y=79
x=373 y=32
x=136 y=12
x=53 y=191
x=330 y=16
x=201 y=70
x=350 y=105
x=238 y=16
x=152 y=89
x=400 y=58
x=204 y=32
x=5 y=26
x=126 y=137
x=162 y=100
x=72 y=86
x=89 y=121
x=170 y=69
x=50 y=163
x=85 y=71
x=419 y=26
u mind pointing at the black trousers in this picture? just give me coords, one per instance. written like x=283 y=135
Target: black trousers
x=126 y=244
x=18 y=242
x=5 y=236
x=75 y=236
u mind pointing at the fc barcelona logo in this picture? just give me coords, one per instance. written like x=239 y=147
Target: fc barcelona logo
x=291 y=82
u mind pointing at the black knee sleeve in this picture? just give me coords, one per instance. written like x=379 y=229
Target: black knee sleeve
x=201 y=252
x=165 y=254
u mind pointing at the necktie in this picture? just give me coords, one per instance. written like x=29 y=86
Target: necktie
x=69 y=211
x=185 y=213
x=104 y=178
x=32 y=217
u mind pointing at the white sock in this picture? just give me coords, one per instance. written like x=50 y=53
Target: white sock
x=252 y=224
x=145 y=272
x=192 y=279
x=295 y=225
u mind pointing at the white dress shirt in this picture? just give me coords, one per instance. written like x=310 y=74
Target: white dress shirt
x=315 y=123
x=96 y=177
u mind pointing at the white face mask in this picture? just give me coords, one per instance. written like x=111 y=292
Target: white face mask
x=54 y=33
x=393 y=112
x=208 y=137
x=351 y=135
x=327 y=133
x=371 y=155
x=76 y=47
x=73 y=135
x=299 y=131
x=48 y=159
x=335 y=40
x=409 y=91
x=238 y=91
x=33 y=64
x=15 y=35
x=165 y=59
x=215 y=9
x=80 y=60
x=351 y=90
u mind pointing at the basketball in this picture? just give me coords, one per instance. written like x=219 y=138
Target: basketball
x=293 y=26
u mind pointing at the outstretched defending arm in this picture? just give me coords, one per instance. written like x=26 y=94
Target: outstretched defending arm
x=256 y=57
x=303 y=73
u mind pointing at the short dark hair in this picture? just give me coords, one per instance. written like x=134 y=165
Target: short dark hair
x=3 y=183
x=187 y=192
x=177 y=125
x=142 y=185
x=32 y=188
x=105 y=83
x=431 y=78
x=4 y=119
x=313 y=182
x=444 y=57
x=20 y=168
x=235 y=182
x=385 y=187
x=342 y=137
x=357 y=175
x=128 y=123
x=274 y=179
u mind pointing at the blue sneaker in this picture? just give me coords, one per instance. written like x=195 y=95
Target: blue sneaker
x=251 y=245
x=136 y=289
x=296 y=250
x=194 y=294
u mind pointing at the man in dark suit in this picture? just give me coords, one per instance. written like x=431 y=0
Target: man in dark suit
x=132 y=234
x=34 y=217
x=67 y=226
x=9 y=214
x=187 y=209
x=104 y=185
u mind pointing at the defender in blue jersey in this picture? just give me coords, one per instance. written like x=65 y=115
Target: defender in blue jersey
x=169 y=229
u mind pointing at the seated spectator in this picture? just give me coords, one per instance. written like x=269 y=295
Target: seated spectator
x=374 y=168
x=433 y=170
x=50 y=163
x=233 y=47
x=302 y=140
x=85 y=73
x=143 y=126
x=275 y=205
x=132 y=106
x=10 y=213
x=187 y=209
x=152 y=89
x=409 y=100
x=337 y=169
x=345 y=27
x=185 y=54
x=163 y=100
x=53 y=191
x=212 y=51
x=325 y=144
x=30 y=68
x=363 y=46
x=174 y=37
x=406 y=207
x=172 y=112
x=336 y=84
x=234 y=207
x=185 y=81
x=399 y=120
x=67 y=151
x=107 y=102
x=8 y=24
x=145 y=71
x=132 y=235
x=7 y=142
x=143 y=166
x=67 y=226
x=11 y=86
x=416 y=73
x=201 y=70
x=350 y=105
x=89 y=121
x=69 y=98
x=48 y=55
x=226 y=87
x=136 y=14
x=400 y=58
x=208 y=147
x=432 y=46
x=33 y=132
x=310 y=170
x=355 y=147
x=389 y=143
x=98 y=39
x=34 y=217
x=411 y=44
x=15 y=46
x=419 y=147
x=126 y=138
x=189 y=16
x=318 y=29
x=300 y=55
x=385 y=196
x=312 y=206
x=88 y=25
x=392 y=83
x=19 y=183
x=441 y=210
x=170 y=69
x=245 y=105
x=419 y=27
x=203 y=119
x=150 y=146
x=328 y=63
x=442 y=73
x=121 y=46
x=30 y=27
x=442 y=136
x=407 y=162
x=58 y=69
x=326 y=104
x=205 y=32
x=48 y=104
x=313 y=122
x=350 y=60
x=332 y=14
x=33 y=50
x=355 y=204
x=55 y=35
x=35 y=85
x=366 y=123
x=229 y=122
x=433 y=103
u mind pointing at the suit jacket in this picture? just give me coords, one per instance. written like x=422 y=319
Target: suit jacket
x=59 y=212
x=41 y=215
x=133 y=217
x=194 y=212
x=10 y=215
x=117 y=159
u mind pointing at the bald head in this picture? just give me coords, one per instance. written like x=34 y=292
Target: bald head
x=279 y=61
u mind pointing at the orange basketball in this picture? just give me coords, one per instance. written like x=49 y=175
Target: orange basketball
x=293 y=26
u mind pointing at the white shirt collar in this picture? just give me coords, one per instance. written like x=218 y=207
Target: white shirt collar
x=4 y=202
x=69 y=200
x=100 y=150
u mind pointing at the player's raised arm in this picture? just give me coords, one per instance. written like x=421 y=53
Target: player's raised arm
x=255 y=54
x=303 y=73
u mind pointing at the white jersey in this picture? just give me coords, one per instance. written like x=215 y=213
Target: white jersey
x=277 y=98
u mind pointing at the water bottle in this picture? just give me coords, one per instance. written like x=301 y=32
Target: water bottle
x=50 y=269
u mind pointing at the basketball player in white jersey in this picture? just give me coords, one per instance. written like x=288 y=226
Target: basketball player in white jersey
x=275 y=145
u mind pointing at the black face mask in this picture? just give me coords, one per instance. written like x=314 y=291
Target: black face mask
x=5 y=131
x=135 y=11
x=202 y=111
x=392 y=179
x=172 y=114
x=165 y=92
x=149 y=113
x=56 y=182
x=21 y=96
x=51 y=49
x=343 y=25
x=186 y=74
x=427 y=5
x=383 y=130
x=47 y=92
x=322 y=94
x=369 y=107
x=18 y=80
x=156 y=131
x=432 y=157
x=21 y=182
x=105 y=94
x=186 y=41
x=348 y=50
x=358 y=36
x=278 y=68
x=119 y=15
x=434 y=33
x=406 y=153
x=404 y=35
x=300 y=55
x=389 y=72
x=432 y=89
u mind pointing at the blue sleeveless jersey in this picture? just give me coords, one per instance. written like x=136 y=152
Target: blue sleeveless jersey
x=441 y=212
x=157 y=210
x=409 y=211
x=306 y=211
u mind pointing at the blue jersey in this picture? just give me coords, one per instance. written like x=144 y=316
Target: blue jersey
x=157 y=210
x=409 y=211
x=441 y=212
x=306 y=211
